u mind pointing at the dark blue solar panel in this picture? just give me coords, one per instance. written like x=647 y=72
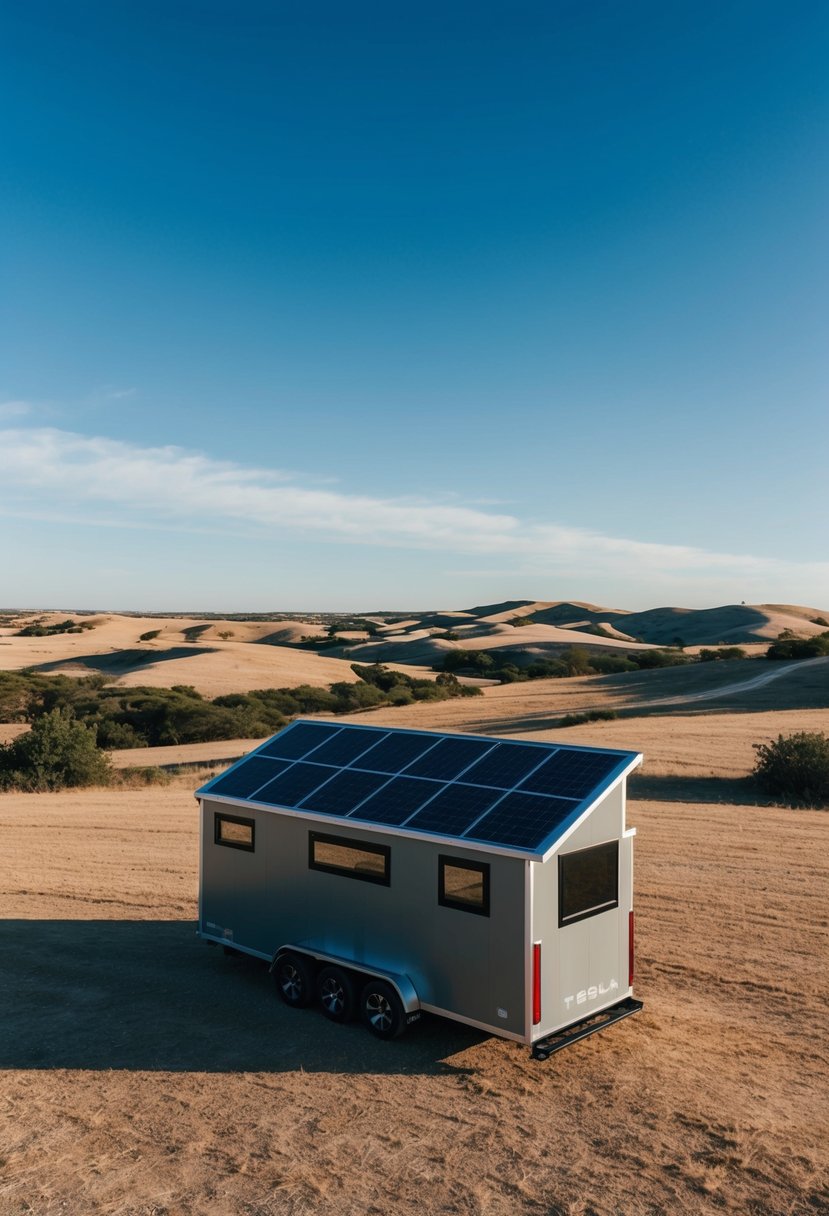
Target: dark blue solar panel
x=448 y=759
x=512 y=794
x=395 y=802
x=505 y=765
x=344 y=747
x=571 y=774
x=343 y=792
x=294 y=784
x=393 y=753
x=247 y=777
x=454 y=809
x=523 y=820
x=296 y=741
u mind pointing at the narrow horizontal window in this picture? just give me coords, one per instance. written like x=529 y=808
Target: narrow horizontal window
x=463 y=884
x=354 y=859
x=588 y=882
x=234 y=832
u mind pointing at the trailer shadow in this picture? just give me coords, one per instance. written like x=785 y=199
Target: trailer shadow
x=148 y=995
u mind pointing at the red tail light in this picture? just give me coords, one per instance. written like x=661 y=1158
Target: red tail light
x=536 y=983
x=630 y=950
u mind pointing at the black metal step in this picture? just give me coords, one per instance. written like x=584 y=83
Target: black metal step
x=542 y=1049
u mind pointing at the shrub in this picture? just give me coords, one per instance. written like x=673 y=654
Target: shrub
x=723 y=653
x=592 y=715
x=57 y=752
x=789 y=647
x=149 y=635
x=795 y=767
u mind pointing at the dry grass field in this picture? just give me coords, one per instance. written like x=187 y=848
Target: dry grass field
x=145 y=1074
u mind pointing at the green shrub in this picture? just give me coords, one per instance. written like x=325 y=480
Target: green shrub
x=149 y=635
x=789 y=647
x=57 y=752
x=592 y=715
x=795 y=767
x=721 y=654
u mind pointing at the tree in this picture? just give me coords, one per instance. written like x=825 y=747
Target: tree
x=57 y=752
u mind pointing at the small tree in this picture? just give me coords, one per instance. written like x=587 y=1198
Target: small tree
x=795 y=767
x=57 y=752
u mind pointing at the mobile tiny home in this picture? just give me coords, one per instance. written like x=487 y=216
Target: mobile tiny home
x=385 y=871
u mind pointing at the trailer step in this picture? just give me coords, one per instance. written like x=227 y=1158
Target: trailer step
x=544 y=1048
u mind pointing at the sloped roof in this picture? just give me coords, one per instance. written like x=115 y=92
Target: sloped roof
x=518 y=797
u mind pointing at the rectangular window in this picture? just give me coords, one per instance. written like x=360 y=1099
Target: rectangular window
x=355 y=859
x=234 y=832
x=588 y=882
x=463 y=884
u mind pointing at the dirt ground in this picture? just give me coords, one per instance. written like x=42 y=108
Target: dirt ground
x=146 y=1074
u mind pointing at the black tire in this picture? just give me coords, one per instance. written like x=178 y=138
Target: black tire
x=294 y=976
x=335 y=992
x=382 y=1010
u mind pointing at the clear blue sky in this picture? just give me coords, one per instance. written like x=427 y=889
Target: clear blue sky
x=382 y=305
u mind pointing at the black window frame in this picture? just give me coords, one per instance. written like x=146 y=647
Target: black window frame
x=597 y=909
x=348 y=842
x=463 y=863
x=220 y=817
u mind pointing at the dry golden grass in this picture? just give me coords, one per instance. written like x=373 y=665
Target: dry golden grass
x=145 y=1073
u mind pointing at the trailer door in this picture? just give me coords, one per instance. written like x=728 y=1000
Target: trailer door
x=589 y=931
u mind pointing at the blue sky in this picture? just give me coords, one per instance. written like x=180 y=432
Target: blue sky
x=358 y=306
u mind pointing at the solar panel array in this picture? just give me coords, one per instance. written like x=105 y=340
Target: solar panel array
x=510 y=794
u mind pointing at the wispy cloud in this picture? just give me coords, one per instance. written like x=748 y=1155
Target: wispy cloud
x=111 y=392
x=14 y=409
x=81 y=473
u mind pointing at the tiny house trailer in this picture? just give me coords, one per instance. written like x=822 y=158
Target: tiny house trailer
x=385 y=871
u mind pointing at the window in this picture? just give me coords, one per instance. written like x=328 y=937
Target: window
x=354 y=859
x=463 y=884
x=234 y=832
x=588 y=882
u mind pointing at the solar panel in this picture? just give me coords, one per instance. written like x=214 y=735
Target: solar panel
x=247 y=777
x=395 y=802
x=454 y=809
x=294 y=784
x=485 y=791
x=298 y=740
x=449 y=758
x=522 y=820
x=505 y=765
x=571 y=774
x=344 y=792
x=394 y=752
x=345 y=746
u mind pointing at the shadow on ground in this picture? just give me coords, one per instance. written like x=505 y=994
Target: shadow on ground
x=122 y=661
x=149 y=995
x=737 y=791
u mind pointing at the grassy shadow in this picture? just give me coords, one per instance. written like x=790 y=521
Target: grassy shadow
x=122 y=661
x=736 y=791
x=149 y=995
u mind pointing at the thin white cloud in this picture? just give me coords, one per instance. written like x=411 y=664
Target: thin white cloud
x=113 y=393
x=14 y=409
x=81 y=474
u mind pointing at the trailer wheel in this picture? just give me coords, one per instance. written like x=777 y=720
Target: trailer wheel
x=294 y=977
x=335 y=990
x=382 y=1010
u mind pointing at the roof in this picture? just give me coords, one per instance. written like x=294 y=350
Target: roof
x=490 y=794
